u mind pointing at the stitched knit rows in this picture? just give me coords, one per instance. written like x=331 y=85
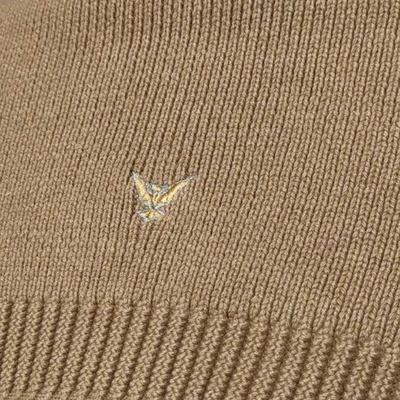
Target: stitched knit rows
x=66 y=350
x=282 y=257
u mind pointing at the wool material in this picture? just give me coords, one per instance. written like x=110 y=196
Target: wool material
x=275 y=274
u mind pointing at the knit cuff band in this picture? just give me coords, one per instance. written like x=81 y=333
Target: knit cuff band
x=88 y=350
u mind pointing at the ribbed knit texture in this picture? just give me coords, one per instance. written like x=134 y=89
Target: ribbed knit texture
x=275 y=275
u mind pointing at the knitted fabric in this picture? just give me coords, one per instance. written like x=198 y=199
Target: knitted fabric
x=274 y=274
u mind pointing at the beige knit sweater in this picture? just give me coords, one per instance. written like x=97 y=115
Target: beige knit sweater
x=274 y=273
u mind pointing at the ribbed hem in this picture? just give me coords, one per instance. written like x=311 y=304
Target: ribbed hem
x=88 y=350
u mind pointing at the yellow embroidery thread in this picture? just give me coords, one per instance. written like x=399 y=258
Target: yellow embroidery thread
x=154 y=198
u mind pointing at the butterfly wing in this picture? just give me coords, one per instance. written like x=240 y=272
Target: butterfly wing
x=142 y=192
x=166 y=197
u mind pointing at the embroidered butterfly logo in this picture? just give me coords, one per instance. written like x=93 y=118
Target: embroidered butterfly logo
x=154 y=198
